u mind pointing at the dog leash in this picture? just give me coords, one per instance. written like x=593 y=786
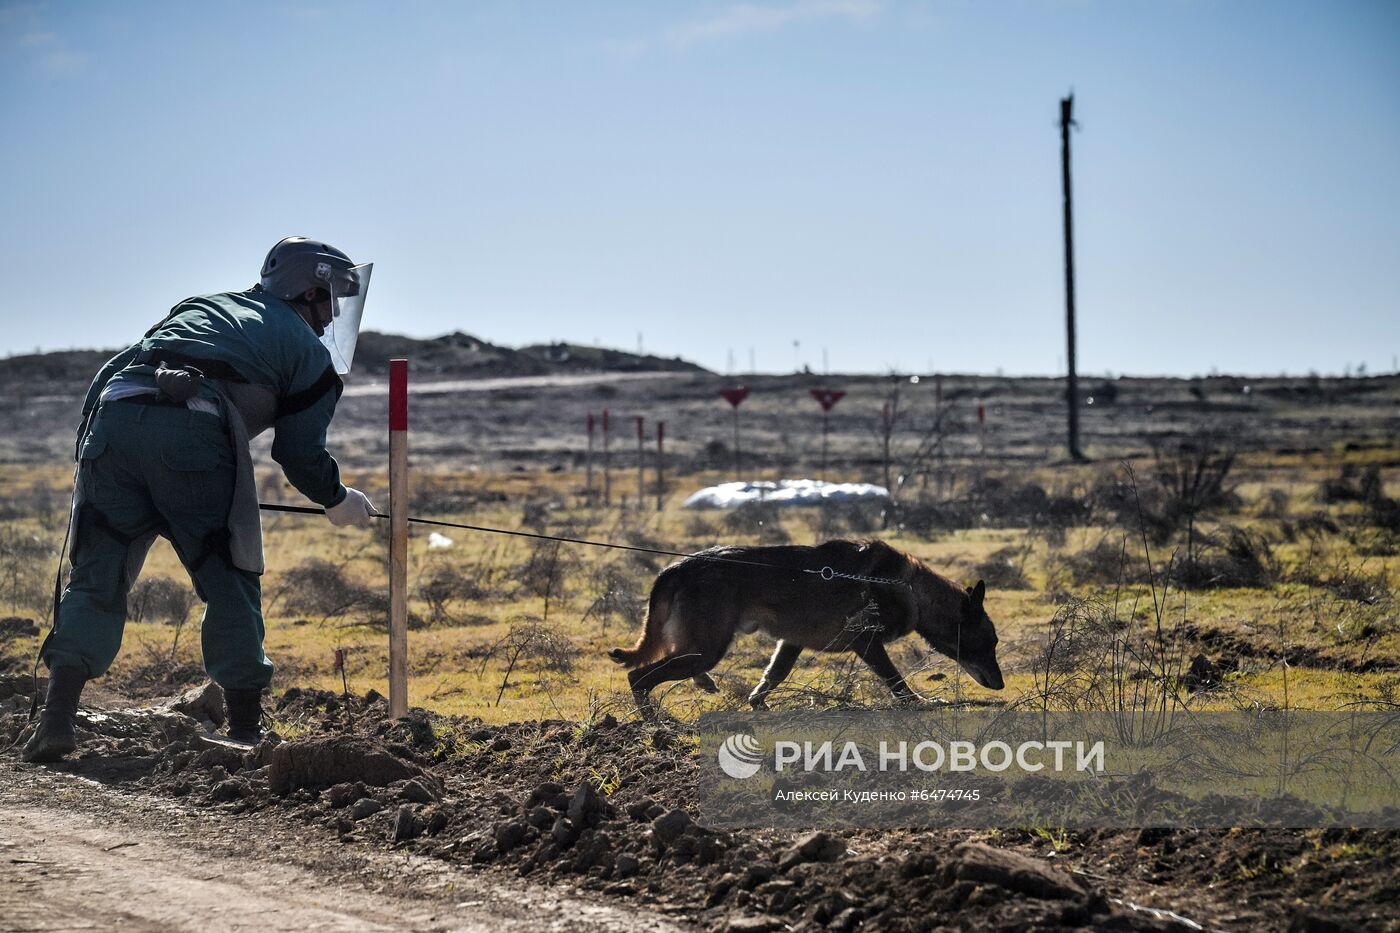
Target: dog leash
x=826 y=573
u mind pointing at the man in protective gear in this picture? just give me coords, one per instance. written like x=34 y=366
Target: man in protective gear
x=163 y=450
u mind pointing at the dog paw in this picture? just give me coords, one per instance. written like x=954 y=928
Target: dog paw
x=705 y=682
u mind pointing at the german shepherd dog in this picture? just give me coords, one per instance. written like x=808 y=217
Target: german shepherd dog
x=699 y=603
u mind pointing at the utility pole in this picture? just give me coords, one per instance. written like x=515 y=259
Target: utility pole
x=1072 y=377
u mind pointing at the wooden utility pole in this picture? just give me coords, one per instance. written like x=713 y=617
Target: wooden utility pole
x=1072 y=377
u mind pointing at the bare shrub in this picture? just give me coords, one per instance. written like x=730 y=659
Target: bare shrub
x=536 y=514
x=1186 y=483
x=543 y=572
x=618 y=595
x=443 y=586
x=160 y=599
x=929 y=519
x=1094 y=660
x=1005 y=569
x=532 y=641
x=1273 y=505
x=842 y=520
x=700 y=528
x=760 y=520
x=25 y=581
x=1106 y=562
x=1352 y=485
x=1243 y=560
x=317 y=587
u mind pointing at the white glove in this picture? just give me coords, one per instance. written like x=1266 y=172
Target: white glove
x=354 y=509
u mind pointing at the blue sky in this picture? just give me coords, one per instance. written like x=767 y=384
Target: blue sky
x=878 y=178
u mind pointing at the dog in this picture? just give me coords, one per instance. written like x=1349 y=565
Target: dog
x=806 y=598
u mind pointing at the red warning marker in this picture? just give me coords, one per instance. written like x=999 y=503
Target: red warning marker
x=736 y=395
x=827 y=398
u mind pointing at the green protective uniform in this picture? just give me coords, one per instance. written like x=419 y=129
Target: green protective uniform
x=149 y=466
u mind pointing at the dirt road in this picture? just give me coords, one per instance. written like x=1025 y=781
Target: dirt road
x=77 y=855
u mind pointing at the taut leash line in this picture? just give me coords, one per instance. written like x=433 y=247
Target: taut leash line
x=826 y=573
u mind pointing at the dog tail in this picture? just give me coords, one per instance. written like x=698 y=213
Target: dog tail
x=652 y=643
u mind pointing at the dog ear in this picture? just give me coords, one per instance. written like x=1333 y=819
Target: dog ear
x=978 y=593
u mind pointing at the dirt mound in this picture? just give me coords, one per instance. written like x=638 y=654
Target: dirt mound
x=320 y=763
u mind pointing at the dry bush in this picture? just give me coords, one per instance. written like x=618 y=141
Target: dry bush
x=1243 y=561
x=1002 y=503
x=843 y=520
x=536 y=514
x=25 y=581
x=618 y=595
x=757 y=520
x=443 y=586
x=699 y=528
x=161 y=599
x=532 y=641
x=1352 y=485
x=543 y=573
x=930 y=519
x=1094 y=660
x=1273 y=505
x=1004 y=569
x=1106 y=562
x=39 y=502
x=317 y=587
x=1187 y=483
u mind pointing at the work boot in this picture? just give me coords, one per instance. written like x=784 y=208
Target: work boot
x=244 y=714
x=55 y=738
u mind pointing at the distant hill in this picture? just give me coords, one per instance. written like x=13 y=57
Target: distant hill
x=456 y=355
x=460 y=355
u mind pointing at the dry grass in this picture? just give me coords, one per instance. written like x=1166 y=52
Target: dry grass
x=510 y=629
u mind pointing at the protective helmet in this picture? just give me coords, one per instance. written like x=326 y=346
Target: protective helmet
x=297 y=263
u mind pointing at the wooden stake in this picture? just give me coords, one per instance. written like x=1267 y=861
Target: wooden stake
x=398 y=538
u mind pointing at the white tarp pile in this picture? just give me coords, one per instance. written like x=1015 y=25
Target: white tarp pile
x=784 y=492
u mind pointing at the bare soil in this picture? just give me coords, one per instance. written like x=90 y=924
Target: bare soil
x=362 y=822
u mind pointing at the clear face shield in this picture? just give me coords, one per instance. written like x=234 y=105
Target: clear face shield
x=348 y=288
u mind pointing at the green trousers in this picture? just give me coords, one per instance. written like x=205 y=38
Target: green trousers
x=147 y=470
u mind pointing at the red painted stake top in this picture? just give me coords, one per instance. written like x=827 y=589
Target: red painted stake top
x=736 y=395
x=398 y=395
x=981 y=414
x=827 y=398
x=605 y=421
x=660 y=432
x=590 y=422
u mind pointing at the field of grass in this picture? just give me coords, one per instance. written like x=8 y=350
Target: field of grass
x=1291 y=568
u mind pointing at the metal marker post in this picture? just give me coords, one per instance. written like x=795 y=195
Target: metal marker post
x=588 y=462
x=398 y=538
x=607 y=473
x=660 y=456
x=827 y=399
x=734 y=397
x=641 y=467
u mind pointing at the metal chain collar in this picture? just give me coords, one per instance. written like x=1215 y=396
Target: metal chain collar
x=826 y=573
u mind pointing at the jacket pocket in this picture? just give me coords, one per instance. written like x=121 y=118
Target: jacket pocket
x=92 y=446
